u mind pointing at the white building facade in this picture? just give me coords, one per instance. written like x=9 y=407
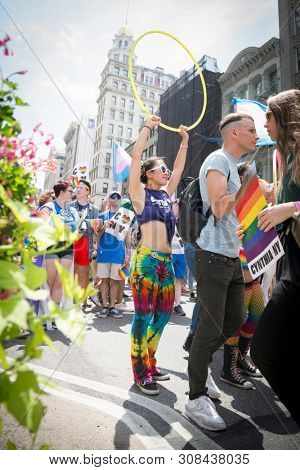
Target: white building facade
x=52 y=178
x=79 y=140
x=119 y=115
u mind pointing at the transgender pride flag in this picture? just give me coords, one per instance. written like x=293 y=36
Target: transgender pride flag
x=121 y=163
x=257 y=111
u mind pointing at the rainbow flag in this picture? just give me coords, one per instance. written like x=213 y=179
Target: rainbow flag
x=262 y=249
x=121 y=163
x=124 y=272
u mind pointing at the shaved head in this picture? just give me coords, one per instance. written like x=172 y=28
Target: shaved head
x=232 y=121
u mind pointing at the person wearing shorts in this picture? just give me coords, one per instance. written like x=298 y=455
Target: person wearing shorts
x=179 y=264
x=60 y=207
x=83 y=247
x=110 y=258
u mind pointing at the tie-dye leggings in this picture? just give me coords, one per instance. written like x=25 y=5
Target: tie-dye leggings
x=152 y=282
x=253 y=309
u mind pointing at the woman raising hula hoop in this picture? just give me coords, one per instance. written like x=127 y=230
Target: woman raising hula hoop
x=151 y=274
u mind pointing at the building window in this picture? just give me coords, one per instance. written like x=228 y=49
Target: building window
x=113 y=100
x=106 y=172
x=120 y=44
x=110 y=128
x=257 y=88
x=273 y=82
x=297 y=20
x=122 y=116
x=122 y=101
x=151 y=109
x=131 y=104
x=151 y=148
x=151 y=95
x=124 y=87
x=105 y=188
x=129 y=133
x=117 y=57
x=146 y=80
x=117 y=71
x=115 y=85
x=126 y=44
x=109 y=143
x=130 y=118
x=141 y=121
x=163 y=84
x=143 y=93
x=134 y=75
x=298 y=59
x=125 y=59
x=125 y=73
x=144 y=154
x=107 y=158
x=120 y=131
x=112 y=114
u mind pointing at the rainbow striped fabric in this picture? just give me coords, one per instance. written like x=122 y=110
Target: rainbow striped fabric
x=124 y=272
x=262 y=249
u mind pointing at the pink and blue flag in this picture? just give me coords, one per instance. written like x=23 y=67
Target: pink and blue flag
x=121 y=163
x=257 y=111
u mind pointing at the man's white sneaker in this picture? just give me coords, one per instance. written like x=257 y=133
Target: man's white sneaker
x=204 y=413
x=213 y=390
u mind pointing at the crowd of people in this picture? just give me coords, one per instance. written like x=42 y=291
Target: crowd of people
x=231 y=310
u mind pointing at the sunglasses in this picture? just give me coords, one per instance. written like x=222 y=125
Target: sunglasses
x=163 y=169
x=115 y=197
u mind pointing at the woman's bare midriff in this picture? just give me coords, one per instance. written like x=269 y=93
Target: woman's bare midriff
x=154 y=236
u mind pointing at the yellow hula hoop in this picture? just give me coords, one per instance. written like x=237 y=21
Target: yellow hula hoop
x=154 y=31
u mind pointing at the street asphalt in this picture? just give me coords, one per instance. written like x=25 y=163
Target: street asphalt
x=95 y=405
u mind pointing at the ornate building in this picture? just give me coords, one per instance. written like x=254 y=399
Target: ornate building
x=119 y=115
x=254 y=74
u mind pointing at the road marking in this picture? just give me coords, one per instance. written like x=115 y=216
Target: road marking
x=139 y=426
x=177 y=422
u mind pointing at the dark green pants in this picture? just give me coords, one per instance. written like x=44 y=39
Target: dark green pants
x=220 y=291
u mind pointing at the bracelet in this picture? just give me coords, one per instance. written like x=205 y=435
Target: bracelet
x=148 y=127
x=297 y=205
x=185 y=147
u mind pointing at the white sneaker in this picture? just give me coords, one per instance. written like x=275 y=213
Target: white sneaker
x=123 y=306
x=204 y=413
x=212 y=389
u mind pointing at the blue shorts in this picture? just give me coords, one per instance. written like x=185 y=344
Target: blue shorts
x=179 y=264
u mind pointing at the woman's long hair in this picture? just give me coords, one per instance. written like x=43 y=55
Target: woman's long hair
x=286 y=110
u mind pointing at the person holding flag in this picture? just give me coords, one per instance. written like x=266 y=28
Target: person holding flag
x=274 y=348
x=151 y=273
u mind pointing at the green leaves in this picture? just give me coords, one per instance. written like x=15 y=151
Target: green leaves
x=23 y=402
x=14 y=311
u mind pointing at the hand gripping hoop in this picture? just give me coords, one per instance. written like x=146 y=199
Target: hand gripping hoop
x=169 y=128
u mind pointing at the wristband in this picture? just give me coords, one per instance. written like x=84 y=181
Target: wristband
x=185 y=147
x=297 y=205
x=148 y=127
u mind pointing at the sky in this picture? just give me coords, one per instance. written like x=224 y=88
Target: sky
x=63 y=44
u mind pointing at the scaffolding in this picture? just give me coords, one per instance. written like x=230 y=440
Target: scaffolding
x=182 y=104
